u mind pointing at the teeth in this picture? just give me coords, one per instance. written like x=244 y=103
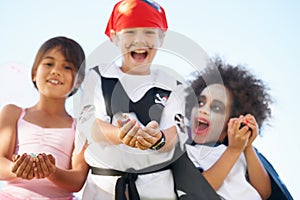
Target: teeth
x=203 y=122
x=54 y=81
x=140 y=51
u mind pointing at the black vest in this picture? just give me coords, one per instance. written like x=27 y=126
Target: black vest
x=148 y=108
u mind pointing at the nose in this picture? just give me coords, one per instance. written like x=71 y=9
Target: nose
x=139 y=38
x=56 y=71
x=203 y=110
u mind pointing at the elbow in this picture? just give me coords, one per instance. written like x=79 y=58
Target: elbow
x=76 y=187
x=266 y=194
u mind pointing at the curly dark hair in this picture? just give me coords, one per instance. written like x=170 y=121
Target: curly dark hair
x=249 y=94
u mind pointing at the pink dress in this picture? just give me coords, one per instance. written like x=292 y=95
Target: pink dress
x=35 y=139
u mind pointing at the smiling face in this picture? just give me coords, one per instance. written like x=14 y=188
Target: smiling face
x=209 y=121
x=54 y=76
x=138 y=46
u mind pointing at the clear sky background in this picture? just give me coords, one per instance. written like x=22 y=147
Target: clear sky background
x=264 y=35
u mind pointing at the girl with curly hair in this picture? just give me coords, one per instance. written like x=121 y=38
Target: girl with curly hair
x=232 y=106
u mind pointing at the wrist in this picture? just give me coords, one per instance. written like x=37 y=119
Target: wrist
x=160 y=143
x=248 y=148
x=235 y=150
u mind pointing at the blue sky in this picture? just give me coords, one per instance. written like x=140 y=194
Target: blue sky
x=264 y=35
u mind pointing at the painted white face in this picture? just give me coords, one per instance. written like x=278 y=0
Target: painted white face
x=209 y=122
x=55 y=75
x=138 y=46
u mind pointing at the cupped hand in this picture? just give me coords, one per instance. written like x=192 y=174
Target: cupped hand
x=45 y=166
x=148 y=136
x=23 y=166
x=128 y=132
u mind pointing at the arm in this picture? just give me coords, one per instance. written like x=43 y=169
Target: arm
x=73 y=179
x=238 y=139
x=258 y=177
x=106 y=132
x=217 y=173
x=8 y=123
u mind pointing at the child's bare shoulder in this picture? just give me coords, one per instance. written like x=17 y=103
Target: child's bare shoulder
x=11 y=110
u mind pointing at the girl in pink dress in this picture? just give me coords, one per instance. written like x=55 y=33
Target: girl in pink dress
x=37 y=142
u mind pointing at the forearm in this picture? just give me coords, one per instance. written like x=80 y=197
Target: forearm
x=105 y=132
x=5 y=169
x=219 y=171
x=70 y=180
x=258 y=176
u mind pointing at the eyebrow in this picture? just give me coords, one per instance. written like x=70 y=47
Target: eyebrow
x=219 y=102
x=202 y=96
x=50 y=57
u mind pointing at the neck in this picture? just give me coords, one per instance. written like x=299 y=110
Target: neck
x=52 y=106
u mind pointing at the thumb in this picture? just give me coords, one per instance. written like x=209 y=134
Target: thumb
x=15 y=157
x=152 y=124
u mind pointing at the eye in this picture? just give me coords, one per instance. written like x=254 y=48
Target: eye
x=128 y=32
x=218 y=107
x=49 y=64
x=201 y=101
x=68 y=67
x=150 y=32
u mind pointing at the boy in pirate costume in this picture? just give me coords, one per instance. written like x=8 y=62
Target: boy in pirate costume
x=130 y=134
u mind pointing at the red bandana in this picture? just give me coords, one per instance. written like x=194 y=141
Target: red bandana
x=136 y=13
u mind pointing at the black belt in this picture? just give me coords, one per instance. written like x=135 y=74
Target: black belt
x=126 y=178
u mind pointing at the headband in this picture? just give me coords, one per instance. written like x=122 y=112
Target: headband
x=136 y=13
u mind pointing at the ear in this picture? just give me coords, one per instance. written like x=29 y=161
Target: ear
x=114 y=37
x=161 y=38
x=33 y=77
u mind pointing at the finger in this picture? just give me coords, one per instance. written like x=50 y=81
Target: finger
x=18 y=163
x=142 y=142
x=15 y=157
x=132 y=142
x=44 y=167
x=131 y=134
x=22 y=166
x=148 y=137
x=140 y=146
x=38 y=170
x=27 y=169
x=30 y=174
x=50 y=165
x=240 y=125
x=51 y=158
x=119 y=123
x=153 y=124
x=126 y=128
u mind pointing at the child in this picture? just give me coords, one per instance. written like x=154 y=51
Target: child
x=148 y=99
x=42 y=136
x=233 y=105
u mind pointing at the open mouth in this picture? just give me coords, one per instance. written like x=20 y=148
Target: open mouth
x=201 y=126
x=139 y=55
x=54 y=82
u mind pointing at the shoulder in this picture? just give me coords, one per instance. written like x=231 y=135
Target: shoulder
x=171 y=80
x=104 y=68
x=11 y=111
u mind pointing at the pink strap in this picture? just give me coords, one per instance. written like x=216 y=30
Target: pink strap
x=22 y=113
